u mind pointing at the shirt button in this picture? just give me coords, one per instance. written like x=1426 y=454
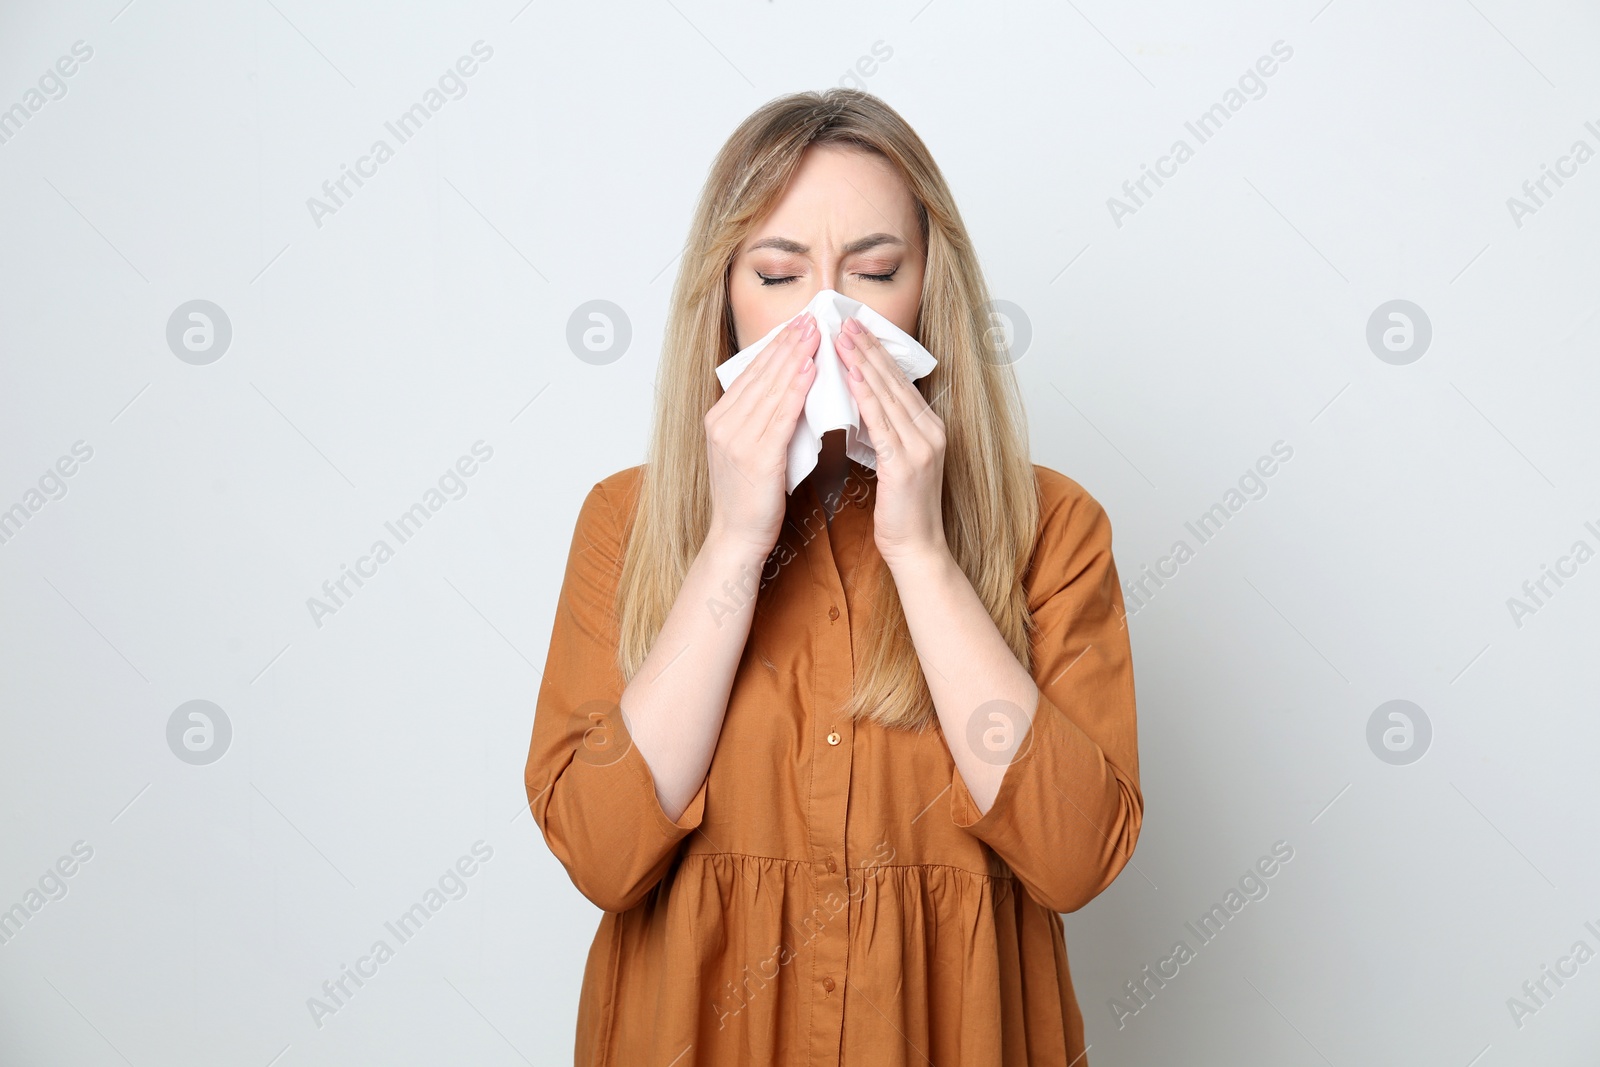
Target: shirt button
x=833 y=737
x=833 y=613
x=827 y=983
x=832 y=866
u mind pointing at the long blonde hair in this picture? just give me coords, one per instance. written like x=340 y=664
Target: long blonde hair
x=990 y=499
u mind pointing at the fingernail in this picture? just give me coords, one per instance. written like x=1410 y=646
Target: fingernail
x=845 y=340
x=852 y=325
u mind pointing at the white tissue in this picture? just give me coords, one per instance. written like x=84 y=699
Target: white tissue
x=829 y=403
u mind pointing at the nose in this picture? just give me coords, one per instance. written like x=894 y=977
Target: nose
x=827 y=266
x=824 y=275
x=803 y=297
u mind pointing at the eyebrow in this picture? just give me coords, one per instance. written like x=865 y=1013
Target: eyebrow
x=862 y=244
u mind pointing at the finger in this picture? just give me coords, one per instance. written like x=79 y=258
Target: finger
x=754 y=408
x=749 y=389
x=779 y=428
x=772 y=434
x=752 y=394
x=885 y=441
x=764 y=359
x=914 y=408
x=894 y=385
x=876 y=367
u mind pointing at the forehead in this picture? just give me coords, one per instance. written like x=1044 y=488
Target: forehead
x=837 y=194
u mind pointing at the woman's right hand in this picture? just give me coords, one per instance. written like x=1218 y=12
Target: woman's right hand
x=747 y=438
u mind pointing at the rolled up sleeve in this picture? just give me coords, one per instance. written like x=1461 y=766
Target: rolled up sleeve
x=1068 y=811
x=589 y=787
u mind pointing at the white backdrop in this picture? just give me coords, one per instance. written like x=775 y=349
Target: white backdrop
x=178 y=490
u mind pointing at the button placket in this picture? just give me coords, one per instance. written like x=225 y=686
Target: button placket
x=827 y=811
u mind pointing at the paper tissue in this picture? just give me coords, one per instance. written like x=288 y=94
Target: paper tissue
x=829 y=403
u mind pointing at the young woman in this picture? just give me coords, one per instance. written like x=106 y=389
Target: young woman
x=832 y=763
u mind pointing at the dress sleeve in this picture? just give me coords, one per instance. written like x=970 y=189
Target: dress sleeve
x=1068 y=811
x=589 y=787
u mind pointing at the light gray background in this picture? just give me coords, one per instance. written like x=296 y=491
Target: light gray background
x=432 y=311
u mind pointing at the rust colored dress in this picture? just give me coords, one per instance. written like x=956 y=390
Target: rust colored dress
x=831 y=895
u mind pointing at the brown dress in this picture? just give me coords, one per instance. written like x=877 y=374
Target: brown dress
x=831 y=894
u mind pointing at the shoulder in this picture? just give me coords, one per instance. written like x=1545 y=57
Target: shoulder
x=622 y=488
x=1074 y=529
x=1064 y=502
x=605 y=510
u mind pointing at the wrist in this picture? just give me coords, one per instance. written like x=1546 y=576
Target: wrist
x=729 y=550
x=920 y=559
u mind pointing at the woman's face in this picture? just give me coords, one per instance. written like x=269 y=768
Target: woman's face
x=847 y=222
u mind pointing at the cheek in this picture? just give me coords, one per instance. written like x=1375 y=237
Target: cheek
x=745 y=309
x=757 y=308
x=902 y=311
x=902 y=306
x=752 y=320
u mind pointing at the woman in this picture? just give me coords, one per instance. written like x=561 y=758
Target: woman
x=832 y=763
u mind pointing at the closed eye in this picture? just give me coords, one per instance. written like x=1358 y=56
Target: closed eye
x=766 y=280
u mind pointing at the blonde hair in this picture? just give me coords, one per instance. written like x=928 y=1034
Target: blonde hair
x=990 y=499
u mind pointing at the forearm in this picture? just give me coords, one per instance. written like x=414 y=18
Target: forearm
x=675 y=703
x=967 y=665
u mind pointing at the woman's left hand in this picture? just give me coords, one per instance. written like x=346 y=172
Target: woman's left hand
x=908 y=436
